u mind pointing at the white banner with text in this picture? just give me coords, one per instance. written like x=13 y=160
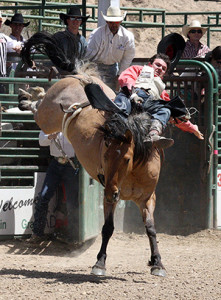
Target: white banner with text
x=17 y=208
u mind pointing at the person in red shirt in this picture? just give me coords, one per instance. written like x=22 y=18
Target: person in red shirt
x=145 y=85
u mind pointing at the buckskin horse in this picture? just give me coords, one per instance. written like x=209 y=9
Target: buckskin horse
x=109 y=148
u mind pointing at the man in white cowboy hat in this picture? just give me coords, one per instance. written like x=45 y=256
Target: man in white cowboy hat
x=111 y=46
x=67 y=39
x=194 y=48
x=6 y=44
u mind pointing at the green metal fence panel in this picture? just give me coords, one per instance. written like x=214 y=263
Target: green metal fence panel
x=90 y=210
x=201 y=170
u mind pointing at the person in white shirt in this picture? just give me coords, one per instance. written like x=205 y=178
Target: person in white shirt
x=6 y=44
x=17 y=24
x=59 y=170
x=111 y=46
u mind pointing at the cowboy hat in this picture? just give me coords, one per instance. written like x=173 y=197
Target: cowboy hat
x=75 y=12
x=195 y=24
x=114 y=14
x=172 y=45
x=17 y=18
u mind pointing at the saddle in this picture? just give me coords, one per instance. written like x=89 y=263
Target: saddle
x=99 y=100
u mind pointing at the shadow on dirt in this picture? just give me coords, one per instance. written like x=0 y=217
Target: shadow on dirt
x=47 y=247
x=71 y=277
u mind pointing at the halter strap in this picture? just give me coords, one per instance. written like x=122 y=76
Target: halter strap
x=73 y=110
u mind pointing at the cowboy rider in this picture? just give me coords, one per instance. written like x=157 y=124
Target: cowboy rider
x=145 y=85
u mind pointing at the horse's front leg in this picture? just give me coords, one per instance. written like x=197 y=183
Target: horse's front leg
x=155 y=260
x=107 y=231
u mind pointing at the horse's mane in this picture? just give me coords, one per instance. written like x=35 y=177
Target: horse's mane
x=139 y=124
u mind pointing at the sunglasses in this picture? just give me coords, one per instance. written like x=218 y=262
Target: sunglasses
x=195 y=31
x=75 y=19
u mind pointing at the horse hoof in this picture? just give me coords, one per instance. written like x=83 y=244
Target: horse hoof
x=157 y=271
x=97 y=271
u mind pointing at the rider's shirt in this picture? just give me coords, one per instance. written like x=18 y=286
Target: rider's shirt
x=128 y=78
x=147 y=81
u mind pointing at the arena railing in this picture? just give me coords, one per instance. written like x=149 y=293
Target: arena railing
x=48 y=16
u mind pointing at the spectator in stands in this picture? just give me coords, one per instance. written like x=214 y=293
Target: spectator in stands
x=6 y=44
x=194 y=48
x=67 y=39
x=60 y=170
x=112 y=47
x=17 y=24
x=65 y=49
x=214 y=58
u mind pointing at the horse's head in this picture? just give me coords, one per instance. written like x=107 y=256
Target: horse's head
x=126 y=149
x=118 y=162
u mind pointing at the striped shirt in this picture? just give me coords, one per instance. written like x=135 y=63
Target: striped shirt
x=191 y=51
x=6 y=45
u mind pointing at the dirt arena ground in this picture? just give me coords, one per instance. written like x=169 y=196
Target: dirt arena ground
x=55 y=271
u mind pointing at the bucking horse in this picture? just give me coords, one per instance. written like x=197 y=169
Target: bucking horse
x=112 y=149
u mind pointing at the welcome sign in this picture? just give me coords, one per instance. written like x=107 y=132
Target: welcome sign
x=17 y=208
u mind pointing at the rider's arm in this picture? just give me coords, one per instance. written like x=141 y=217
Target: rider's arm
x=190 y=127
x=129 y=76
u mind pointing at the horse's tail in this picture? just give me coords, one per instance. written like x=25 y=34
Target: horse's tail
x=46 y=44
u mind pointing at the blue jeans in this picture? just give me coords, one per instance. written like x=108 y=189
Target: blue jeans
x=57 y=173
x=155 y=108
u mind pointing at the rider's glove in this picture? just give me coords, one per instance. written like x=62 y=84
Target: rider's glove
x=136 y=99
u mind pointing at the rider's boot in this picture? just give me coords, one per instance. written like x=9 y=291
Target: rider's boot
x=155 y=139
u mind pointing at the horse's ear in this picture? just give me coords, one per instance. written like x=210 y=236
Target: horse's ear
x=128 y=135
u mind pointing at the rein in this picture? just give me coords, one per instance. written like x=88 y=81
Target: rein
x=58 y=145
x=69 y=114
x=73 y=110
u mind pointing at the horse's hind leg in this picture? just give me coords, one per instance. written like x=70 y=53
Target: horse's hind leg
x=107 y=231
x=155 y=261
